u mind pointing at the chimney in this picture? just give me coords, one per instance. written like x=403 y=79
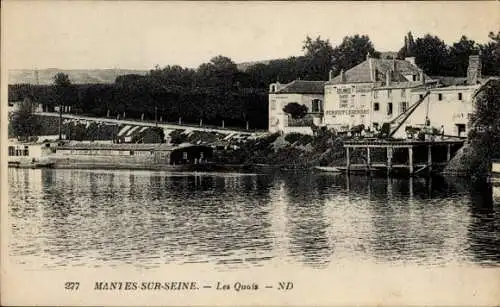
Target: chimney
x=387 y=78
x=411 y=60
x=474 y=69
x=372 y=70
x=342 y=76
x=330 y=75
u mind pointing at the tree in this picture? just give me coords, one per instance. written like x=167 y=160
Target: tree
x=24 y=123
x=296 y=110
x=490 y=55
x=318 y=58
x=432 y=55
x=352 y=51
x=64 y=91
x=484 y=135
x=459 y=55
x=408 y=50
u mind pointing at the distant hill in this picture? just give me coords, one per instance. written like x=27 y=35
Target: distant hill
x=77 y=76
x=245 y=65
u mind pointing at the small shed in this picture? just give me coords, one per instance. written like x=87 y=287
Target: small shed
x=191 y=154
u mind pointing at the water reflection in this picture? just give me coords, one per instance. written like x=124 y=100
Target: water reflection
x=107 y=218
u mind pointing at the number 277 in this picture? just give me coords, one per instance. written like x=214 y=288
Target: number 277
x=71 y=285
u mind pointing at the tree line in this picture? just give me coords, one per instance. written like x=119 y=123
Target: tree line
x=217 y=91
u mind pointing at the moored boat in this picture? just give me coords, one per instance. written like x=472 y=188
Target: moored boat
x=330 y=169
x=26 y=155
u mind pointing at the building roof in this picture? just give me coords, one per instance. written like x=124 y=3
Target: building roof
x=361 y=72
x=303 y=87
x=454 y=81
x=123 y=146
x=127 y=146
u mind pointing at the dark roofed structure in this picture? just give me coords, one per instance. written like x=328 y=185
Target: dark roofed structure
x=302 y=87
x=374 y=70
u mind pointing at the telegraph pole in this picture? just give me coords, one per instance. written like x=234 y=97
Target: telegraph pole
x=60 y=121
x=156 y=116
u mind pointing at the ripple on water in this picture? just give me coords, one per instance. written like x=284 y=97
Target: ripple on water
x=70 y=218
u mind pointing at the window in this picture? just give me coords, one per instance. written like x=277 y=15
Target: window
x=414 y=77
x=375 y=94
x=184 y=155
x=131 y=152
x=12 y=151
x=316 y=105
x=389 y=108
x=403 y=106
x=440 y=96
x=459 y=96
x=376 y=106
x=26 y=152
x=403 y=93
x=389 y=93
x=421 y=96
x=344 y=100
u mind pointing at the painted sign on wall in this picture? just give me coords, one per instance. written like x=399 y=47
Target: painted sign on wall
x=347 y=112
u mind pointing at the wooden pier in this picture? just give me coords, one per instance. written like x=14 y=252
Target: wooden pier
x=399 y=156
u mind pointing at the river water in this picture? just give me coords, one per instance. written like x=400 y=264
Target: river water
x=100 y=218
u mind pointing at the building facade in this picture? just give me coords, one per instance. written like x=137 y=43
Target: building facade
x=307 y=93
x=379 y=91
x=371 y=93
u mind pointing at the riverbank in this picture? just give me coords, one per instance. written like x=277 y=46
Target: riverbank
x=291 y=151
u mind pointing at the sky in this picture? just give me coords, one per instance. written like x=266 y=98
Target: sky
x=139 y=35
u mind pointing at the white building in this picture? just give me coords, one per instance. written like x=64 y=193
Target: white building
x=15 y=105
x=371 y=93
x=307 y=93
x=377 y=91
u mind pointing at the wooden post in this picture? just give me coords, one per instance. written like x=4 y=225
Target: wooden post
x=410 y=183
x=389 y=160
x=348 y=155
x=368 y=160
x=60 y=122
x=429 y=157
x=448 y=153
x=410 y=159
x=389 y=187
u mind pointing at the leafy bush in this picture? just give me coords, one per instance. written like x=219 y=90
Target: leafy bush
x=293 y=137
x=295 y=110
x=177 y=137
